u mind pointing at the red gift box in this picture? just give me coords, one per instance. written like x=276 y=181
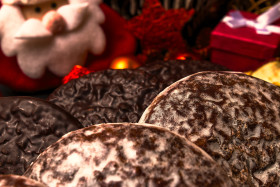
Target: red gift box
x=242 y=49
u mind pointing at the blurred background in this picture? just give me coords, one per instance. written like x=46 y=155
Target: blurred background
x=196 y=31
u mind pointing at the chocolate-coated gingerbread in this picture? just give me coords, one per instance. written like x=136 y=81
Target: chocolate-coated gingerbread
x=28 y=126
x=108 y=96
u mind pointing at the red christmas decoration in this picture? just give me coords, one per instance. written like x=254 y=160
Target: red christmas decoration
x=123 y=62
x=75 y=73
x=159 y=30
x=120 y=43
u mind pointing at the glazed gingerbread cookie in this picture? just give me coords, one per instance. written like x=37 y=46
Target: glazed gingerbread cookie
x=125 y=154
x=234 y=117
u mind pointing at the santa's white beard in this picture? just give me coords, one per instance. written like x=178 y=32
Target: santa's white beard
x=58 y=53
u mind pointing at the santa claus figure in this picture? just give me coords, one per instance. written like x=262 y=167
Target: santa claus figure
x=42 y=40
x=53 y=35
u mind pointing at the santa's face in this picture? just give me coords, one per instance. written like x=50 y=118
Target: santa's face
x=39 y=10
x=54 y=35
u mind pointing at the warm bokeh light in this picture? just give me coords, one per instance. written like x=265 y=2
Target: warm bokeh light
x=124 y=63
x=269 y=72
x=181 y=57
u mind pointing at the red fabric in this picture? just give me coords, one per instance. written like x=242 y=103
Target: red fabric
x=119 y=42
x=12 y=76
x=242 y=49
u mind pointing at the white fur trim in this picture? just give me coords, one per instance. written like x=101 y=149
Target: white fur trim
x=32 y=29
x=73 y=14
x=58 y=53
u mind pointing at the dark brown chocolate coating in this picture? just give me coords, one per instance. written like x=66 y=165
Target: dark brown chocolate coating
x=108 y=96
x=126 y=155
x=232 y=116
x=18 y=181
x=28 y=126
x=172 y=70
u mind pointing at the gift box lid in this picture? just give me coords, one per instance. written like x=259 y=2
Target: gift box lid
x=245 y=40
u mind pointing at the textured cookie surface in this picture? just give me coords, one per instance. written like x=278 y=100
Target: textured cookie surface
x=232 y=116
x=173 y=70
x=28 y=126
x=108 y=96
x=18 y=181
x=126 y=155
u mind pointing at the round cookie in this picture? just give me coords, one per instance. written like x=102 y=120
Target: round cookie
x=126 y=154
x=234 y=117
x=172 y=70
x=18 y=181
x=108 y=96
x=28 y=126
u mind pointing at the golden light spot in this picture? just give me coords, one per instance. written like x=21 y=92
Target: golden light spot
x=181 y=57
x=124 y=63
x=269 y=72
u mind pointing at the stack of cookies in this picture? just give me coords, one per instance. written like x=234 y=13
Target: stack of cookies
x=172 y=123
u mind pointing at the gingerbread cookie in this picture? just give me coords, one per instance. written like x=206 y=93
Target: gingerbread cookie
x=18 y=181
x=28 y=126
x=108 y=96
x=232 y=116
x=124 y=154
x=172 y=70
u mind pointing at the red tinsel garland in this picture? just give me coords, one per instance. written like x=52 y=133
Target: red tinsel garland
x=159 y=30
x=76 y=72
